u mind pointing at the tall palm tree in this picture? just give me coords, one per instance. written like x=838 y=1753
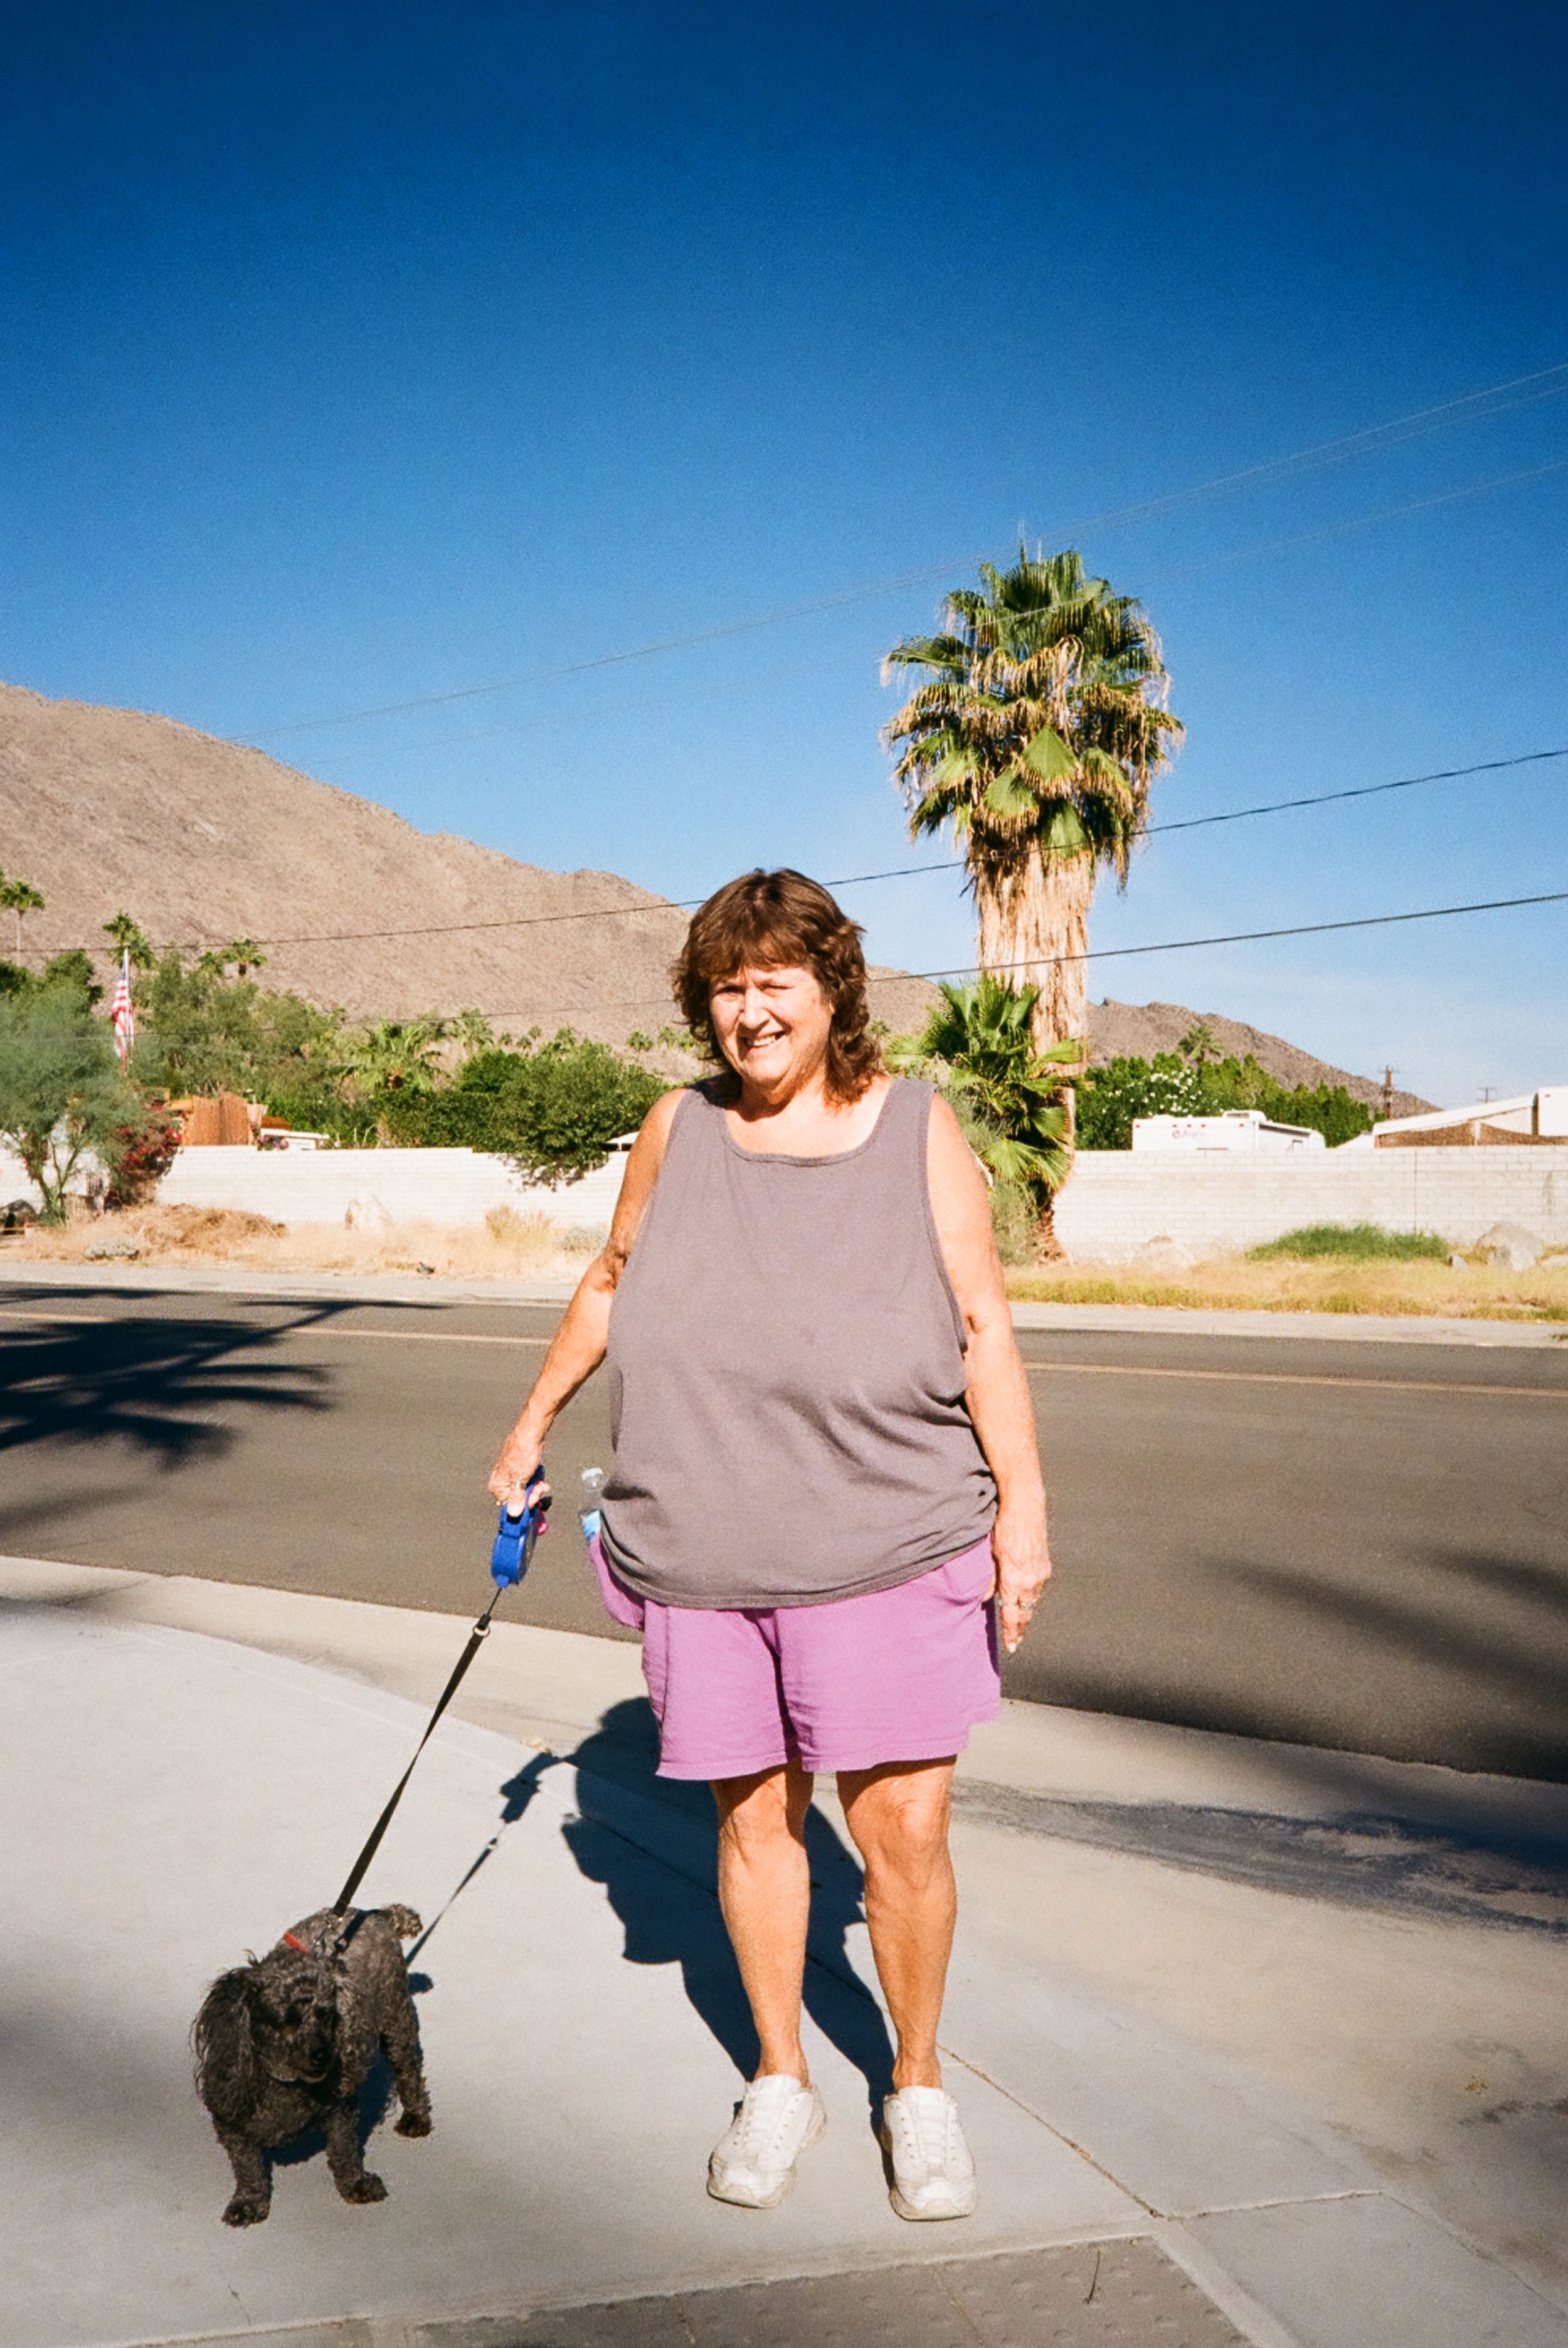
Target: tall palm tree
x=242 y=955
x=20 y=897
x=474 y=1032
x=1036 y=735
x=126 y=938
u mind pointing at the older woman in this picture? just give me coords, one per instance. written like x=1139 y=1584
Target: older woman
x=826 y=1487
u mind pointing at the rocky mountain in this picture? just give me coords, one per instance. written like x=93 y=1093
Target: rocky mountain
x=200 y=841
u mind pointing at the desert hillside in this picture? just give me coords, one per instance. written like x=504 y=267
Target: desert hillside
x=201 y=841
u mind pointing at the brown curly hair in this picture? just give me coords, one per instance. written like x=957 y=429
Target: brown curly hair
x=782 y=921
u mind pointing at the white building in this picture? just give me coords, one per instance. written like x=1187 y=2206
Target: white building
x=1526 y=1117
x=1238 y=1132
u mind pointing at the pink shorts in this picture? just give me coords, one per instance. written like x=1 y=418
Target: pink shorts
x=900 y=1674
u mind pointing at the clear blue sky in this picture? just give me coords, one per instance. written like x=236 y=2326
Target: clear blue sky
x=354 y=352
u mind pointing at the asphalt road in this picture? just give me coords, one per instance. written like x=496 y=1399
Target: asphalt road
x=1345 y=1544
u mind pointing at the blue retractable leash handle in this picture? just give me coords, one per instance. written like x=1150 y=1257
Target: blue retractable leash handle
x=515 y=1537
x=513 y=1548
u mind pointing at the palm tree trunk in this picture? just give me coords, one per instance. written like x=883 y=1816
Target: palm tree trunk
x=1034 y=932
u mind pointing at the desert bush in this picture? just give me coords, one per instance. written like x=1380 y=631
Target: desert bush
x=205 y=1230
x=1354 y=1242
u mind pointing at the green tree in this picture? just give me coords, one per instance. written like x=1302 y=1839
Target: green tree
x=552 y=1111
x=473 y=1032
x=203 y=1032
x=73 y=970
x=61 y=1089
x=1111 y=1096
x=20 y=897
x=1036 y=735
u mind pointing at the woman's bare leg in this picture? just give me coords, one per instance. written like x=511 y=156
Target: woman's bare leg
x=765 y=1891
x=898 y=1816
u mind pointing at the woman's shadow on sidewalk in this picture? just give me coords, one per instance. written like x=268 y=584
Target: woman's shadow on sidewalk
x=671 y=1915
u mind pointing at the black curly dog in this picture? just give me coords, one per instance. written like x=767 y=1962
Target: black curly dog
x=285 y=2042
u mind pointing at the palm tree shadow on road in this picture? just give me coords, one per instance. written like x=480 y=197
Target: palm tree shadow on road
x=164 y=1387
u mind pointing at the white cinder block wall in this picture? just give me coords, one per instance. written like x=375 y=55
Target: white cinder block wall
x=1116 y=1199
x=315 y=1186
x=424 y=1186
x=1114 y=1202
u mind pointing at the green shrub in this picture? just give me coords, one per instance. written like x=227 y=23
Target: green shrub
x=1109 y=1098
x=552 y=1111
x=1353 y=1244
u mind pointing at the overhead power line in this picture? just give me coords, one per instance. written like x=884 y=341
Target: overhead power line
x=1256 y=550
x=1119 y=954
x=1250 y=937
x=905 y=872
x=1493 y=399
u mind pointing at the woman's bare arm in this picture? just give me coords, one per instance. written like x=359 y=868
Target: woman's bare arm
x=577 y=1345
x=998 y=1393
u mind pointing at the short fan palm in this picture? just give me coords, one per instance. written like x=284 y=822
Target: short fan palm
x=977 y=1048
x=1037 y=735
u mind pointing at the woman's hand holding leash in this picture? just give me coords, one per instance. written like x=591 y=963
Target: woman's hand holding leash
x=522 y=1455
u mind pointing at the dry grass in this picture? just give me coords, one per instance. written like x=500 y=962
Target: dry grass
x=506 y=1246
x=1231 y=1283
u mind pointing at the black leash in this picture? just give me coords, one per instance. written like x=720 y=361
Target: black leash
x=522 y=1547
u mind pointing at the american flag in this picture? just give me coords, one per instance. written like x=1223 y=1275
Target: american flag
x=122 y=1015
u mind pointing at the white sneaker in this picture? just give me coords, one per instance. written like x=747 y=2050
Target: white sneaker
x=753 y=2163
x=932 y=2171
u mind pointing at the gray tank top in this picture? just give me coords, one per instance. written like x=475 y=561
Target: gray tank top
x=787 y=1374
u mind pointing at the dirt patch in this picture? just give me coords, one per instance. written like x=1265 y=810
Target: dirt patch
x=506 y=1247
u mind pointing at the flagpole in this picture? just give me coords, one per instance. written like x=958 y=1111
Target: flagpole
x=122 y=1011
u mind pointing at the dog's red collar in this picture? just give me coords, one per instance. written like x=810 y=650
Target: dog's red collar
x=292 y=1940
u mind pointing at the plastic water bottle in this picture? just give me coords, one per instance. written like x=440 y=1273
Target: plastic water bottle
x=588 y=1514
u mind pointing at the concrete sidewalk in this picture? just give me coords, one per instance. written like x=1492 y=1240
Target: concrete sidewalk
x=1124 y=1320
x=1205 y=2004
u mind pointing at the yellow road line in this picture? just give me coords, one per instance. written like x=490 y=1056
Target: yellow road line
x=310 y=1329
x=1284 y=1378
